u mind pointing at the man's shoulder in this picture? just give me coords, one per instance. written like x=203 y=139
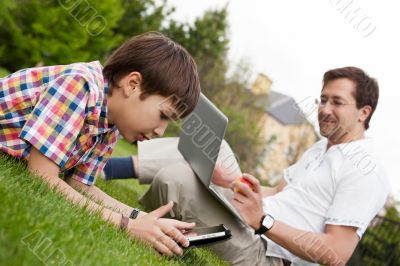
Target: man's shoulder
x=361 y=162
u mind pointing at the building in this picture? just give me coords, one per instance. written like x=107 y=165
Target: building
x=286 y=131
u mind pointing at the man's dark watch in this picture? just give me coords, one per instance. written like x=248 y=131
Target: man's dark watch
x=266 y=223
x=134 y=213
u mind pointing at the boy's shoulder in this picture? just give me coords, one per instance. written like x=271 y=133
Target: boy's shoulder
x=92 y=74
x=91 y=71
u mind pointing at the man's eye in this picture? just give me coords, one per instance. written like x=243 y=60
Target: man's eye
x=337 y=103
x=323 y=101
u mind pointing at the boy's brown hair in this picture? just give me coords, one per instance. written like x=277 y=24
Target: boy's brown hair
x=167 y=69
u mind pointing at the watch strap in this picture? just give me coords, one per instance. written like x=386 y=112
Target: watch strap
x=262 y=229
x=134 y=213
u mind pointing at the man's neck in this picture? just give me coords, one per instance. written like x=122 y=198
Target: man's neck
x=345 y=139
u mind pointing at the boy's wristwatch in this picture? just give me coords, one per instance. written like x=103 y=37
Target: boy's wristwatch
x=266 y=223
x=134 y=213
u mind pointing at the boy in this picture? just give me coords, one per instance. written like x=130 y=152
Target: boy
x=67 y=118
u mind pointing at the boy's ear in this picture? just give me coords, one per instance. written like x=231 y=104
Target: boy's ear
x=132 y=83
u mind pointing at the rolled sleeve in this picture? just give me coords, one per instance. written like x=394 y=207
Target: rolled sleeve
x=357 y=200
x=87 y=172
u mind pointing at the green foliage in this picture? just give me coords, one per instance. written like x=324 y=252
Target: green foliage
x=380 y=243
x=57 y=32
x=3 y=72
x=142 y=16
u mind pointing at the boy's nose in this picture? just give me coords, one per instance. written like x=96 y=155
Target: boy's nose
x=161 y=129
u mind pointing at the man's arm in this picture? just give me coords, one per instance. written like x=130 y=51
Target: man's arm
x=150 y=227
x=270 y=191
x=334 y=247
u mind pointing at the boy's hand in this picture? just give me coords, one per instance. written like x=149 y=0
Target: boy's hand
x=163 y=234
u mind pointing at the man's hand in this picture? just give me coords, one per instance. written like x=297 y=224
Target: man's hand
x=163 y=234
x=249 y=202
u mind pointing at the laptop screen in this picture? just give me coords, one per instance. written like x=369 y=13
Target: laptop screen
x=201 y=136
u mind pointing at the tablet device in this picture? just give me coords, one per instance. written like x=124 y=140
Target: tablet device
x=207 y=235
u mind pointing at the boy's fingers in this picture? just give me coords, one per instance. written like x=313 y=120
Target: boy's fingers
x=171 y=244
x=178 y=236
x=183 y=225
x=163 y=249
x=163 y=210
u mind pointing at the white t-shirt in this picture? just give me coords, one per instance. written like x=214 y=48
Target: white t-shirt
x=345 y=185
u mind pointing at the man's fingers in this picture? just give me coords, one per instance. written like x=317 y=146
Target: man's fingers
x=163 y=210
x=254 y=181
x=243 y=188
x=239 y=197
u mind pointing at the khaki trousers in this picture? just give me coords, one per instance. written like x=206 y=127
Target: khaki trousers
x=172 y=179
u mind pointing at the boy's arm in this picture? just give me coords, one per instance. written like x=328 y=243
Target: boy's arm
x=102 y=197
x=150 y=228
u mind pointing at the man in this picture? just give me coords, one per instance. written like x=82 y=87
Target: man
x=320 y=209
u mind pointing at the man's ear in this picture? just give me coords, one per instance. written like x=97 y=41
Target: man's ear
x=131 y=83
x=365 y=112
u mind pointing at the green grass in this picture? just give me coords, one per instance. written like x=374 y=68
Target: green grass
x=39 y=227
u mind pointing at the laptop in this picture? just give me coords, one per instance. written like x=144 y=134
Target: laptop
x=200 y=140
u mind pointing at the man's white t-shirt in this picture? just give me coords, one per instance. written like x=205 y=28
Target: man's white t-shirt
x=344 y=185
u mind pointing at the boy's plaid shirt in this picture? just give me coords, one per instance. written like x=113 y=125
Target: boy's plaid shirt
x=62 y=112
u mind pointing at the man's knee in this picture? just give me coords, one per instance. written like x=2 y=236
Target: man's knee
x=176 y=175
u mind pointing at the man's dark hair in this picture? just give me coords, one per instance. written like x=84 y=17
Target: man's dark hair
x=167 y=69
x=367 y=89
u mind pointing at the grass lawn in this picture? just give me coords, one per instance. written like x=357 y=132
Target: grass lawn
x=39 y=227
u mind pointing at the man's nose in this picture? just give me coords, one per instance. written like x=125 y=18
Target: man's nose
x=326 y=108
x=159 y=131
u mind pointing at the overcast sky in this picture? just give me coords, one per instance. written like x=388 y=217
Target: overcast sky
x=295 y=42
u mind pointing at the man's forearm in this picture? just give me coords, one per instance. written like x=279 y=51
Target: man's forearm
x=316 y=247
x=268 y=191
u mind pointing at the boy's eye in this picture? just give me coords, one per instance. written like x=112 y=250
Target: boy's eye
x=163 y=116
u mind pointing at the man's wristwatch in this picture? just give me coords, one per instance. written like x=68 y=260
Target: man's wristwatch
x=134 y=213
x=266 y=223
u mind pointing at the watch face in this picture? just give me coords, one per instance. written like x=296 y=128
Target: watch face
x=268 y=221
